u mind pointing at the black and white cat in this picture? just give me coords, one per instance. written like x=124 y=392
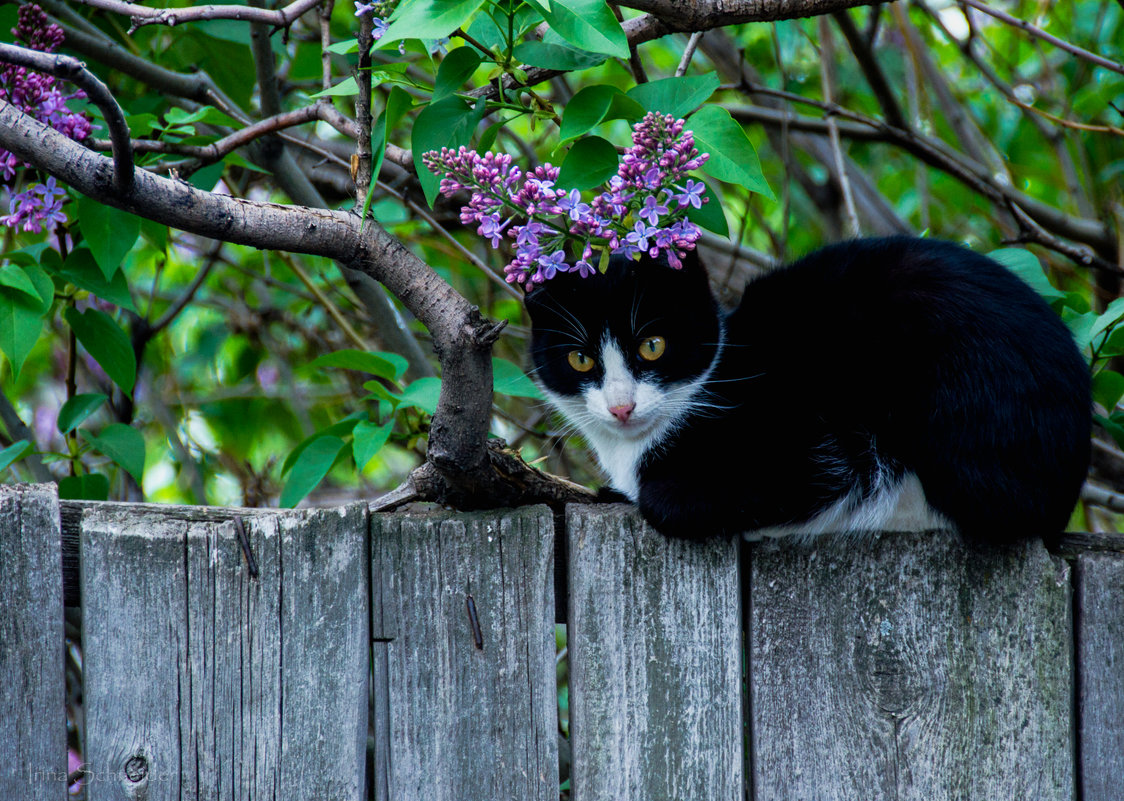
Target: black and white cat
x=881 y=384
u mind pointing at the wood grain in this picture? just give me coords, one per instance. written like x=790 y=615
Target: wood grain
x=907 y=667
x=1100 y=659
x=464 y=710
x=204 y=682
x=655 y=662
x=33 y=762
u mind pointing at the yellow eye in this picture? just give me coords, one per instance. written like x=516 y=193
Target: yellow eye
x=579 y=361
x=652 y=348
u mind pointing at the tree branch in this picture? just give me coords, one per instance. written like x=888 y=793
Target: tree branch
x=139 y=15
x=471 y=475
x=73 y=70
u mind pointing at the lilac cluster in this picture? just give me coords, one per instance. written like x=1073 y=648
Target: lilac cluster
x=641 y=210
x=41 y=97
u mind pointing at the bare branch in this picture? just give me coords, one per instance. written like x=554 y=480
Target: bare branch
x=1062 y=44
x=73 y=70
x=680 y=17
x=827 y=65
x=140 y=16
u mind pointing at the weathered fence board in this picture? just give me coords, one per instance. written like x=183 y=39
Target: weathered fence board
x=655 y=662
x=202 y=681
x=907 y=667
x=1100 y=658
x=32 y=685
x=465 y=689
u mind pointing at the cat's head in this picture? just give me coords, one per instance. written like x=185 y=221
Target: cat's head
x=622 y=354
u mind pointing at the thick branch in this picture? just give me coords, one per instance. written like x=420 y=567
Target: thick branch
x=679 y=17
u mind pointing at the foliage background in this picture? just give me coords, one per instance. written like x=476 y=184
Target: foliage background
x=947 y=121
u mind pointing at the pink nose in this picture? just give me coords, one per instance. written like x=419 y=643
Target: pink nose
x=622 y=413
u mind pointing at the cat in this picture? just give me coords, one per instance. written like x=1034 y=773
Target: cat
x=897 y=384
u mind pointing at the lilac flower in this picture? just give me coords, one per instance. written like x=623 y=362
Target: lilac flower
x=651 y=210
x=691 y=194
x=39 y=96
x=492 y=228
x=550 y=265
x=641 y=210
x=572 y=204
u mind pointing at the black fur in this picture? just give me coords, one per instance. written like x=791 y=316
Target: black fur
x=900 y=354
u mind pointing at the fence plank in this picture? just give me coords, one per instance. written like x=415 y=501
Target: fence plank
x=1100 y=665
x=203 y=682
x=655 y=662
x=33 y=760
x=469 y=715
x=907 y=667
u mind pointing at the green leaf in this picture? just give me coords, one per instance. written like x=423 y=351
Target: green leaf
x=89 y=487
x=373 y=363
x=1108 y=318
x=585 y=110
x=344 y=47
x=205 y=179
x=310 y=468
x=397 y=104
x=340 y=429
x=81 y=270
x=710 y=215
x=1026 y=266
x=368 y=440
x=586 y=24
x=455 y=69
x=1108 y=388
x=77 y=409
x=555 y=56
x=207 y=115
x=109 y=232
x=13 y=276
x=422 y=394
x=732 y=157
x=107 y=343
x=345 y=88
x=675 y=96
x=428 y=19
x=1114 y=345
x=446 y=123
x=123 y=444
x=21 y=320
x=508 y=379
x=590 y=162
x=13 y=453
x=1080 y=325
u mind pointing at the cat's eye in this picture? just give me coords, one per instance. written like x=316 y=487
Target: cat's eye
x=579 y=361
x=652 y=348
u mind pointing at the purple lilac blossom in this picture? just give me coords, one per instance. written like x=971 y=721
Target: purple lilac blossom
x=39 y=206
x=641 y=210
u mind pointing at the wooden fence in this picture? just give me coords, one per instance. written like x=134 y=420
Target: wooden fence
x=346 y=655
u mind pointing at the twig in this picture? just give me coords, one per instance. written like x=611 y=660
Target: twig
x=73 y=70
x=181 y=302
x=1099 y=496
x=1080 y=52
x=827 y=65
x=688 y=53
x=139 y=15
x=330 y=307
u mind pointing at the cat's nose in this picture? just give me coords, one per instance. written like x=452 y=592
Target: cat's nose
x=622 y=412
